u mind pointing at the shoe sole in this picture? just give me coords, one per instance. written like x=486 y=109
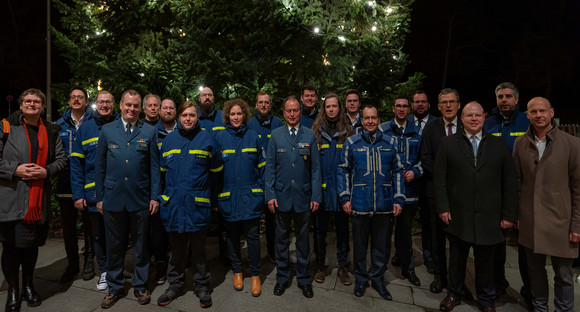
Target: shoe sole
x=102 y=288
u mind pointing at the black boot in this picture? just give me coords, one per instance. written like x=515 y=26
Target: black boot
x=89 y=269
x=29 y=294
x=12 y=298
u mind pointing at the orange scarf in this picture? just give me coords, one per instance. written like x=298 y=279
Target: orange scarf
x=36 y=187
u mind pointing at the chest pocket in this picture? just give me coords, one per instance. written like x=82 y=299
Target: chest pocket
x=386 y=154
x=361 y=159
x=201 y=156
x=142 y=145
x=251 y=152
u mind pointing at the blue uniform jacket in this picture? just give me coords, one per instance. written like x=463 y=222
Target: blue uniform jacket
x=330 y=151
x=67 y=134
x=307 y=119
x=241 y=194
x=508 y=129
x=162 y=132
x=82 y=160
x=211 y=122
x=127 y=168
x=293 y=175
x=192 y=164
x=264 y=127
x=370 y=175
x=409 y=146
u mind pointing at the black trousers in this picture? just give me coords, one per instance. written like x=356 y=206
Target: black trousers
x=99 y=239
x=438 y=237
x=403 y=240
x=378 y=228
x=178 y=262
x=425 y=216
x=159 y=239
x=321 y=219
x=484 y=254
x=69 y=230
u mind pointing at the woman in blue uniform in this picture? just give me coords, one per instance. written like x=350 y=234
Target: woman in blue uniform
x=241 y=198
x=331 y=129
x=192 y=163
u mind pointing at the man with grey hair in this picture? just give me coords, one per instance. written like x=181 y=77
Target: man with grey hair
x=548 y=168
x=434 y=131
x=151 y=105
x=508 y=122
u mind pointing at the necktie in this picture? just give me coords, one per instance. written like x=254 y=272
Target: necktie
x=128 y=131
x=293 y=130
x=474 y=145
x=401 y=130
x=450 y=128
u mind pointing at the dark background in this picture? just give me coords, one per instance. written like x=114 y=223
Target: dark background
x=534 y=44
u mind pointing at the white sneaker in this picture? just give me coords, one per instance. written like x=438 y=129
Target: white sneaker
x=102 y=283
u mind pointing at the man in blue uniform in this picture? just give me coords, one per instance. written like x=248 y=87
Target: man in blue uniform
x=210 y=117
x=420 y=118
x=409 y=142
x=70 y=122
x=508 y=122
x=128 y=186
x=82 y=165
x=263 y=123
x=308 y=98
x=371 y=188
x=293 y=189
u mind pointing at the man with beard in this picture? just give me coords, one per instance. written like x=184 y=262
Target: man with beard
x=159 y=237
x=263 y=123
x=210 y=117
x=70 y=122
x=151 y=103
x=308 y=98
x=420 y=118
x=82 y=165
x=508 y=122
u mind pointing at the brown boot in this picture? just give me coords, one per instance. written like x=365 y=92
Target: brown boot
x=256 y=286
x=320 y=276
x=238 y=281
x=343 y=276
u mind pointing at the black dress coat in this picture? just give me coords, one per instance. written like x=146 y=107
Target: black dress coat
x=480 y=192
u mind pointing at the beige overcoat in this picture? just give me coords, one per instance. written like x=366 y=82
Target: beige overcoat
x=549 y=192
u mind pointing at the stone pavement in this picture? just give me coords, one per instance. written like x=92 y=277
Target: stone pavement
x=328 y=296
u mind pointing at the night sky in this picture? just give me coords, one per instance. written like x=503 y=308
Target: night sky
x=534 y=44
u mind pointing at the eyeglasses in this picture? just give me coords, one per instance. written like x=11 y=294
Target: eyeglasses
x=32 y=102
x=79 y=97
x=448 y=102
x=108 y=102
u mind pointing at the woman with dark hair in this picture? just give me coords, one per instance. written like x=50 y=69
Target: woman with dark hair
x=31 y=153
x=242 y=197
x=331 y=129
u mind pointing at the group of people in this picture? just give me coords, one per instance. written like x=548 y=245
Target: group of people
x=157 y=181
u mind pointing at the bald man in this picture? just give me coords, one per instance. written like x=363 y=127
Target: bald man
x=476 y=197
x=548 y=169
